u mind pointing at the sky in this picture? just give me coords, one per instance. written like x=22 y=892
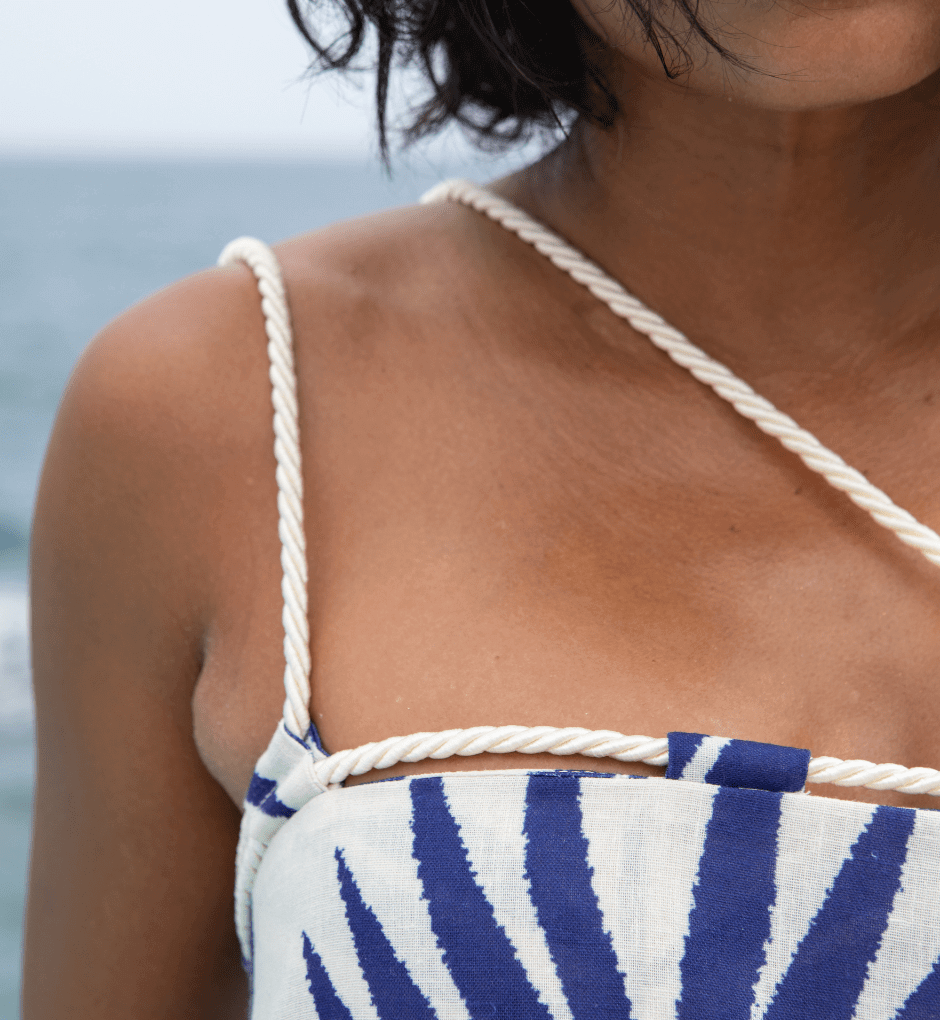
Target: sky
x=184 y=76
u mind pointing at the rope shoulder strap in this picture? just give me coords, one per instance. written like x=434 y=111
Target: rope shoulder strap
x=290 y=490
x=703 y=367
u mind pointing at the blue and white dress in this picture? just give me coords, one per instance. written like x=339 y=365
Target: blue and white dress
x=720 y=892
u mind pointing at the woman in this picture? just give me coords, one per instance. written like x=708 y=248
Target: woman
x=519 y=511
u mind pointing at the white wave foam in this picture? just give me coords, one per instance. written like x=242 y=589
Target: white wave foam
x=16 y=699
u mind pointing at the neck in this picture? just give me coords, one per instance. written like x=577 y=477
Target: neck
x=781 y=236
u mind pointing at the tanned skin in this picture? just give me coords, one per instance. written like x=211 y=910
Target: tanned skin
x=517 y=510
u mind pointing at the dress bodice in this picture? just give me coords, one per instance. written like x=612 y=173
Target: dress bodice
x=575 y=896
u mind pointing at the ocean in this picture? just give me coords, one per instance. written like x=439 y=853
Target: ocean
x=81 y=240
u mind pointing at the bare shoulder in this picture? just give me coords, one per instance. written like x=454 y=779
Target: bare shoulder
x=170 y=404
x=157 y=405
x=171 y=401
x=185 y=347
x=382 y=252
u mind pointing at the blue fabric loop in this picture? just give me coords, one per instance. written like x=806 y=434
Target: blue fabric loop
x=742 y=764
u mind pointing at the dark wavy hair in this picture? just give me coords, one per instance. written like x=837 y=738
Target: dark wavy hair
x=500 y=68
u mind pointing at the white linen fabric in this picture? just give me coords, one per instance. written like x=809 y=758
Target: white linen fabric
x=567 y=895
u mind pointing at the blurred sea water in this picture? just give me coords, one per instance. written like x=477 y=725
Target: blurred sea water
x=79 y=242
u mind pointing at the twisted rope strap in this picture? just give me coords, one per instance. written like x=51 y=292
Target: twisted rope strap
x=383 y=754
x=708 y=371
x=290 y=486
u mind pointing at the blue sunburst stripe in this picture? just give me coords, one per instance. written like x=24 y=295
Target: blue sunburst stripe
x=565 y=902
x=274 y=808
x=394 y=994
x=924 y=1001
x=261 y=794
x=477 y=952
x=259 y=788
x=826 y=976
x=733 y=894
x=328 y=1004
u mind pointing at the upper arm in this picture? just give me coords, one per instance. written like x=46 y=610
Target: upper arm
x=130 y=902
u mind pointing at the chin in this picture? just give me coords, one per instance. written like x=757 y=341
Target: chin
x=825 y=92
x=813 y=55
x=848 y=56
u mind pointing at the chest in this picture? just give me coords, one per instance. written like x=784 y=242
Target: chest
x=593 y=544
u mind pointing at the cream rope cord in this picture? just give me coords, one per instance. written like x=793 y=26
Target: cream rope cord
x=708 y=371
x=332 y=770
x=290 y=484
x=382 y=754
